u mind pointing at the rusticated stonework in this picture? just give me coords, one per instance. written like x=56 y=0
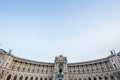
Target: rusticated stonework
x=15 y=68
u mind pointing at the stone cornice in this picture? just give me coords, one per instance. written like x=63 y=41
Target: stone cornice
x=51 y=64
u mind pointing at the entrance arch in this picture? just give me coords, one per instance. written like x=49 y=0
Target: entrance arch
x=41 y=78
x=15 y=77
x=31 y=78
x=36 y=78
x=106 y=78
x=100 y=78
x=89 y=78
x=26 y=78
x=8 y=77
x=46 y=78
x=21 y=77
x=112 y=77
x=94 y=78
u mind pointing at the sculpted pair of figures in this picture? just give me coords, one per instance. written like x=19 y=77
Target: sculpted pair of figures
x=60 y=74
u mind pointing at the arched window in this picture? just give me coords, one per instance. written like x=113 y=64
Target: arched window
x=50 y=71
x=97 y=69
x=87 y=70
x=26 y=78
x=8 y=77
x=83 y=71
x=115 y=66
x=33 y=70
x=28 y=69
x=13 y=67
x=6 y=65
x=15 y=77
x=42 y=70
x=46 y=71
x=92 y=70
x=21 y=77
x=78 y=71
x=102 y=68
x=74 y=71
x=24 y=69
x=18 y=68
x=37 y=70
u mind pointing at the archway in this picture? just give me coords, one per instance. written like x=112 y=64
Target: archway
x=100 y=78
x=36 y=78
x=80 y=79
x=46 y=78
x=106 y=78
x=8 y=77
x=75 y=79
x=112 y=77
x=89 y=78
x=50 y=79
x=21 y=77
x=41 y=78
x=94 y=78
x=15 y=77
x=85 y=79
x=26 y=78
x=70 y=78
x=31 y=78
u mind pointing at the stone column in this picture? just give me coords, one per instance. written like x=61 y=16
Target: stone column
x=65 y=71
x=97 y=77
x=29 y=77
x=92 y=78
x=55 y=71
x=12 y=77
x=103 y=78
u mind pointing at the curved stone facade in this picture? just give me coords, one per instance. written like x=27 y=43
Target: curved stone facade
x=15 y=68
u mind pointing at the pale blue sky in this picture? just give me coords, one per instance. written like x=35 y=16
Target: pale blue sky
x=39 y=30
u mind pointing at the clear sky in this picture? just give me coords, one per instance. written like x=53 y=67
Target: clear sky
x=82 y=30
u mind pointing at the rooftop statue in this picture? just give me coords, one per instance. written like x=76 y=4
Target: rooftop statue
x=60 y=58
x=2 y=51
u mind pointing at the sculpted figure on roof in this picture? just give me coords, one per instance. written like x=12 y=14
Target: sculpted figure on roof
x=60 y=58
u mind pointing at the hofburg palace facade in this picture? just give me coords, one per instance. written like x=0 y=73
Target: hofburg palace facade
x=16 y=68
